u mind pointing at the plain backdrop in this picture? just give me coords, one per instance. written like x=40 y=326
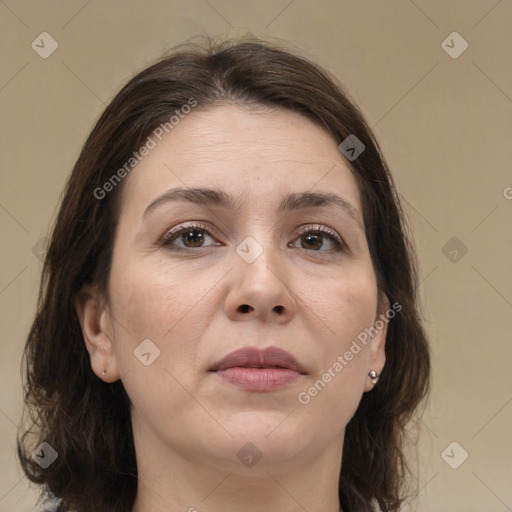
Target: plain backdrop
x=442 y=113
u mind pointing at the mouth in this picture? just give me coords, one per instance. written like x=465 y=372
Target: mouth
x=251 y=357
x=253 y=369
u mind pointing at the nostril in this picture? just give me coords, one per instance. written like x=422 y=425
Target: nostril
x=279 y=309
x=245 y=308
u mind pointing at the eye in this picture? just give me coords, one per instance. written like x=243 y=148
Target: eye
x=191 y=236
x=313 y=238
x=195 y=236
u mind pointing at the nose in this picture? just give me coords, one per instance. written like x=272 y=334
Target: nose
x=261 y=289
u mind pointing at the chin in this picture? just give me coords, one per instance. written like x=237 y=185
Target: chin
x=264 y=426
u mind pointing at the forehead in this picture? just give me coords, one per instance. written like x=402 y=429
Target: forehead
x=249 y=152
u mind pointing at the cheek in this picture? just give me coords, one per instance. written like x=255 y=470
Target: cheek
x=346 y=305
x=154 y=299
x=346 y=308
x=333 y=394
x=328 y=404
x=171 y=306
x=169 y=309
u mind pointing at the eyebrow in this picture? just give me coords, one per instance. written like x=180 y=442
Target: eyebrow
x=219 y=198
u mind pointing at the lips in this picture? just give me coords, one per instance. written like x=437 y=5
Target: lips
x=255 y=370
x=249 y=357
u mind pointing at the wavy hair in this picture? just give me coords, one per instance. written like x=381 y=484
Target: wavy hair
x=86 y=420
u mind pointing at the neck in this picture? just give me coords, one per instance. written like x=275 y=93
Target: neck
x=170 y=481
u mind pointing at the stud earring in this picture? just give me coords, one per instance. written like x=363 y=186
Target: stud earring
x=374 y=376
x=104 y=372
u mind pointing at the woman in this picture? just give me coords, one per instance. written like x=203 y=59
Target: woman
x=227 y=316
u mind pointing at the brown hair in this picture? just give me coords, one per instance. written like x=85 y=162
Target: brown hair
x=86 y=420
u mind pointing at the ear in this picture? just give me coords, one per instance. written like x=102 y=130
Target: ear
x=96 y=325
x=377 y=355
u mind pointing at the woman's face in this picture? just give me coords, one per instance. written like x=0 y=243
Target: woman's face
x=196 y=276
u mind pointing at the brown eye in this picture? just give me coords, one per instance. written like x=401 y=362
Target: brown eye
x=315 y=240
x=187 y=237
x=192 y=238
x=312 y=241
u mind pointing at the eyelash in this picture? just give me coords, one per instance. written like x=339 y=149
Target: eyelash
x=175 y=233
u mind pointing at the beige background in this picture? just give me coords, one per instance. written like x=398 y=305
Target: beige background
x=445 y=127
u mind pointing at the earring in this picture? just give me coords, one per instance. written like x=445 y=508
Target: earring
x=374 y=376
x=104 y=372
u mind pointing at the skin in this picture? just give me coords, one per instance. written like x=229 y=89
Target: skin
x=188 y=423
